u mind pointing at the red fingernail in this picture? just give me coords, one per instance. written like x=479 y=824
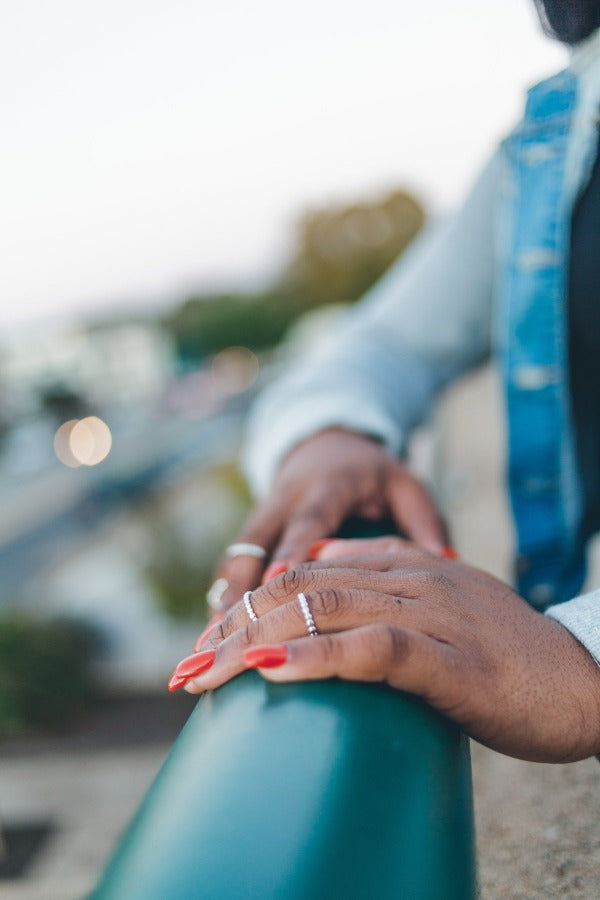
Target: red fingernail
x=175 y=682
x=315 y=549
x=273 y=570
x=266 y=656
x=216 y=620
x=194 y=665
x=449 y=553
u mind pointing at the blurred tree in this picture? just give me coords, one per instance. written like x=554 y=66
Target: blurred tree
x=178 y=575
x=203 y=325
x=44 y=671
x=340 y=252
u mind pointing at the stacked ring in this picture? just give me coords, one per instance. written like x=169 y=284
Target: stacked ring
x=310 y=622
x=248 y=605
x=215 y=593
x=244 y=549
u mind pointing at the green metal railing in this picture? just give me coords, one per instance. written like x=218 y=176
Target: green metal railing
x=313 y=791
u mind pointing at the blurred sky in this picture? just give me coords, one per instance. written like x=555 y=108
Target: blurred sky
x=149 y=148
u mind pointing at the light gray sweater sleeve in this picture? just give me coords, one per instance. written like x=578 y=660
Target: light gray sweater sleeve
x=581 y=617
x=426 y=321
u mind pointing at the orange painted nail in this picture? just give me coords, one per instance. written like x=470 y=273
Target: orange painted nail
x=449 y=553
x=315 y=549
x=266 y=656
x=176 y=682
x=216 y=620
x=273 y=570
x=194 y=665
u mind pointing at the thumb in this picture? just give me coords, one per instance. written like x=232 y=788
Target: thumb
x=415 y=512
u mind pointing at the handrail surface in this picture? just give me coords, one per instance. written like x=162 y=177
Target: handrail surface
x=313 y=791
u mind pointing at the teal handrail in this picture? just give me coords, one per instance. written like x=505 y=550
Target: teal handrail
x=313 y=791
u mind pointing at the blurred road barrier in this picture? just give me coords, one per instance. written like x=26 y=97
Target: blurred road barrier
x=314 y=791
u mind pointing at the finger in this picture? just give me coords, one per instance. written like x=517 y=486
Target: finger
x=359 y=547
x=332 y=610
x=415 y=512
x=333 y=607
x=319 y=515
x=376 y=574
x=405 y=659
x=283 y=590
x=242 y=573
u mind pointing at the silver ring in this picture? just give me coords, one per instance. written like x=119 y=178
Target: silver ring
x=310 y=622
x=248 y=605
x=215 y=593
x=244 y=549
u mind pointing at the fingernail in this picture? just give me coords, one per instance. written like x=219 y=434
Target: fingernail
x=273 y=570
x=266 y=656
x=216 y=620
x=194 y=665
x=449 y=553
x=315 y=549
x=175 y=682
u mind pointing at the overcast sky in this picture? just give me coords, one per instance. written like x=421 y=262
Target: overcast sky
x=151 y=147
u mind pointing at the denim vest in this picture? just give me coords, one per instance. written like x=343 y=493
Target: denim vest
x=546 y=163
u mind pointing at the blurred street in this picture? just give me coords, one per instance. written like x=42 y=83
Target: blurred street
x=538 y=826
x=57 y=507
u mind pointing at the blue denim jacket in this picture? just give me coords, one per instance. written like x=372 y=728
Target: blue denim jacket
x=490 y=280
x=537 y=200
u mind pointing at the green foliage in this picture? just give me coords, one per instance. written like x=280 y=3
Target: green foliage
x=179 y=582
x=44 y=671
x=205 y=325
x=180 y=578
x=340 y=253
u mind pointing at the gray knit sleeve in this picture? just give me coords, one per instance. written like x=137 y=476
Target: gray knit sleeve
x=581 y=617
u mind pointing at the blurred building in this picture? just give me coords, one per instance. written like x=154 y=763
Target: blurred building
x=104 y=365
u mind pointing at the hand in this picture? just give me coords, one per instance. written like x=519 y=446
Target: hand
x=512 y=678
x=323 y=481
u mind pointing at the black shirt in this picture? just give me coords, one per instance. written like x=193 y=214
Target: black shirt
x=584 y=343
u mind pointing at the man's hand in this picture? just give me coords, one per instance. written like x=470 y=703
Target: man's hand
x=324 y=480
x=512 y=678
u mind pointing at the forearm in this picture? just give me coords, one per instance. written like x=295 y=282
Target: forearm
x=363 y=386
x=426 y=321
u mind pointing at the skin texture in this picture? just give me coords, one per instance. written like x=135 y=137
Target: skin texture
x=388 y=611
x=323 y=481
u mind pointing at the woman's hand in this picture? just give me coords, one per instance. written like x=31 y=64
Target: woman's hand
x=323 y=481
x=512 y=678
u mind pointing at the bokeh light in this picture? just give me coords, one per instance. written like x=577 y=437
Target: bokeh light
x=83 y=442
x=62 y=446
x=234 y=370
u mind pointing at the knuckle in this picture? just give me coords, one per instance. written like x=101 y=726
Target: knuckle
x=394 y=645
x=292 y=581
x=328 y=648
x=218 y=634
x=247 y=634
x=436 y=583
x=388 y=560
x=328 y=601
x=318 y=511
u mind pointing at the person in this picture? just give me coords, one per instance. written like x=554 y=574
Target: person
x=516 y=274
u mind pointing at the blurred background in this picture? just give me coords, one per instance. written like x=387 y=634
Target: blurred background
x=191 y=193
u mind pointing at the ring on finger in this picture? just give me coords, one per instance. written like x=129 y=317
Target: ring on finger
x=248 y=605
x=245 y=549
x=310 y=622
x=215 y=593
